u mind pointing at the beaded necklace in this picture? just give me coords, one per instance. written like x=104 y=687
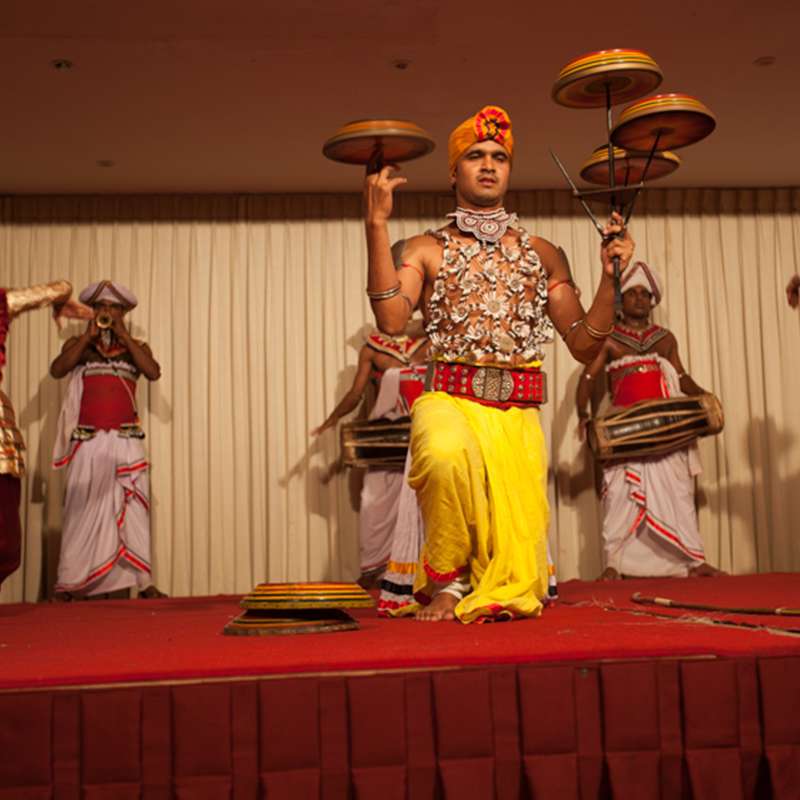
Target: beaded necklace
x=488 y=227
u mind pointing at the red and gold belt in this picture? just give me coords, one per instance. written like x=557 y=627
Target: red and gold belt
x=500 y=387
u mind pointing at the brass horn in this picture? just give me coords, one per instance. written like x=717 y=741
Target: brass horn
x=104 y=320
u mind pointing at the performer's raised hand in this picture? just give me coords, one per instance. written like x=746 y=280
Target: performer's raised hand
x=617 y=241
x=92 y=330
x=118 y=325
x=379 y=193
x=793 y=291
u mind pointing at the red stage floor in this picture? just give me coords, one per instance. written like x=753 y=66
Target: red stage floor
x=147 y=700
x=108 y=642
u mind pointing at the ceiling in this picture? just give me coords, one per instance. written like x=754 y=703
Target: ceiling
x=211 y=96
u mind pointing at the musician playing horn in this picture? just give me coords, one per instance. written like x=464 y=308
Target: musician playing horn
x=490 y=295
x=649 y=517
x=105 y=541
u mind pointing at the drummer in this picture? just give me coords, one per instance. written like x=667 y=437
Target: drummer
x=387 y=374
x=649 y=517
x=491 y=295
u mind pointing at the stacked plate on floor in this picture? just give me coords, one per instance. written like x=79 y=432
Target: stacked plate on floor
x=288 y=608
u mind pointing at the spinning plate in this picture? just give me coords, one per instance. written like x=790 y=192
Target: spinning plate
x=678 y=120
x=628 y=167
x=388 y=140
x=325 y=595
x=628 y=74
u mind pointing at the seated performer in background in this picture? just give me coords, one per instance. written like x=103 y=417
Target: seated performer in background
x=12 y=464
x=649 y=517
x=105 y=543
x=490 y=295
x=388 y=362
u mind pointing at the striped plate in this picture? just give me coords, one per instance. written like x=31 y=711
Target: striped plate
x=397 y=139
x=626 y=74
x=628 y=167
x=677 y=119
x=277 y=596
x=277 y=623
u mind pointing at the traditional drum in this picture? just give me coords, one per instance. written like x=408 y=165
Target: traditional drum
x=290 y=608
x=377 y=443
x=375 y=142
x=663 y=122
x=654 y=427
x=606 y=77
x=629 y=167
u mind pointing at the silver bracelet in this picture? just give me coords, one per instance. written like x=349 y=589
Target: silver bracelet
x=386 y=294
x=571 y=328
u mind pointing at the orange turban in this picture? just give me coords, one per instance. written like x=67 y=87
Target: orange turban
x=491 y=122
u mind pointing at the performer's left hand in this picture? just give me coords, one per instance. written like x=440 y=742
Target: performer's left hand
x=616 y=242
x=118 y=327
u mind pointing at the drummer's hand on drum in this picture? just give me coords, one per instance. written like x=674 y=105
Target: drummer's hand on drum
x=329 y=423
x=616 y=242
x=379 y=193
x=793 y=291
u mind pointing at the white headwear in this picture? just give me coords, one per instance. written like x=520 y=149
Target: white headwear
x=111 y=292
x=642 y=275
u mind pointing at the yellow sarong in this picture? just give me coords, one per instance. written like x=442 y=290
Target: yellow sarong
x=480 y=475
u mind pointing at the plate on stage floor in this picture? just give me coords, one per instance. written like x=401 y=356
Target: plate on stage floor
x=259 y=622
x=320 y=595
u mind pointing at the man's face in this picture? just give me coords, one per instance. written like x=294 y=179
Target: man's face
x=637 y=302
x=481 y=175
x=115 y=310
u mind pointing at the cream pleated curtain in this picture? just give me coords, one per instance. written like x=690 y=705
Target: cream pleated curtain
x=255 y=308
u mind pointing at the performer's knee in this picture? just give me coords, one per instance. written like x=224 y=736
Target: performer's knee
x=442 y=457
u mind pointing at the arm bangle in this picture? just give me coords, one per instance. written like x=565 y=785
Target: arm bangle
x=595 y=333
x=571 y=328
x=560 y=283
x=385 y=294
x=416 y=269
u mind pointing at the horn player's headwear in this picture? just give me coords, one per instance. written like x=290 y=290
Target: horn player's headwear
x=110 y=291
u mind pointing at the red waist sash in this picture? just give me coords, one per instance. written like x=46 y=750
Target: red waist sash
x=499 y=387
x=106 y=403
x=635 y=381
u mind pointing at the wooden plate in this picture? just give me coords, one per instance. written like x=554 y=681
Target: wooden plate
x=627 y=74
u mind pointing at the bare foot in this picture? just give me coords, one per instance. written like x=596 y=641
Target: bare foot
x=610 y=574
x=705 y=570
x=441 y=609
